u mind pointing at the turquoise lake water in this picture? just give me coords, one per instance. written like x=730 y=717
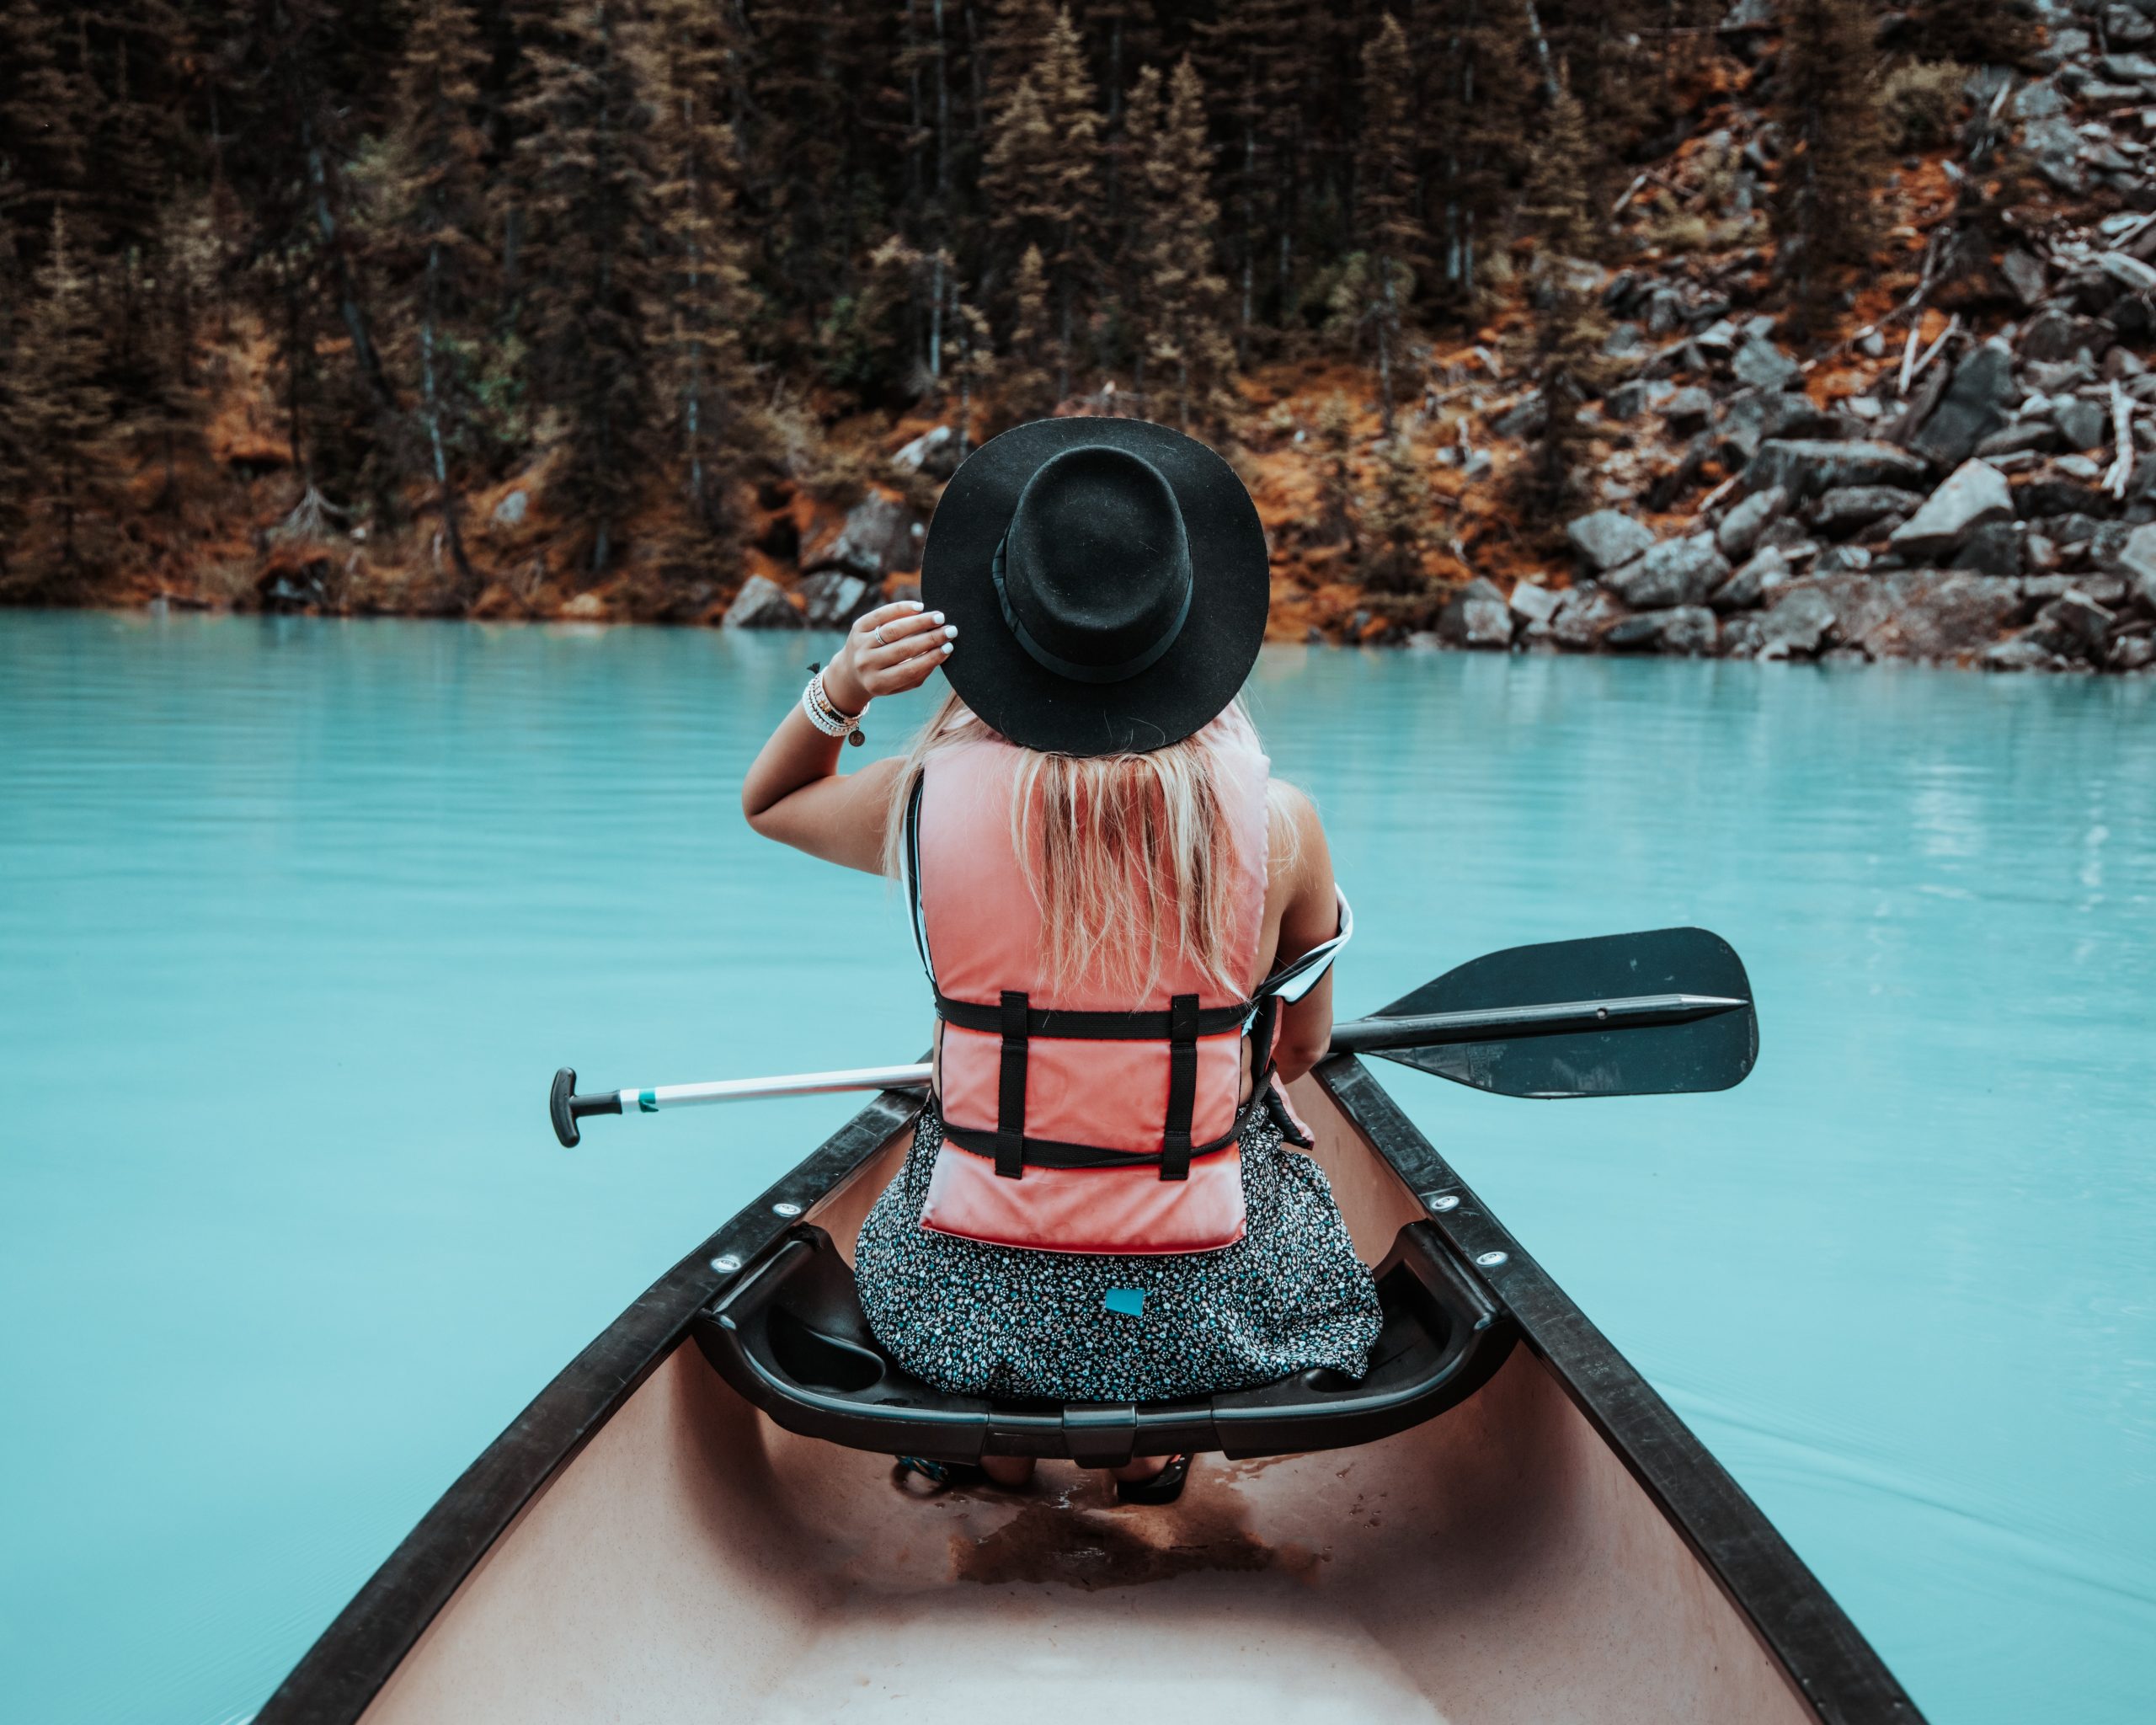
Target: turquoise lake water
x=298 y=918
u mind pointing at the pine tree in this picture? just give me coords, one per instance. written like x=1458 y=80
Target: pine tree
x=1387 y=226
x=1824 y=102
x=1041 y=184
x=17 y=454
x=1253 y=56
x=1336 y=492
x=1398 y=522
x=1556 y=202
x=1183 y=298
x=43 y=122
x=437 y=225
x=66 y=413
x=588 y=147
x=1474 y=127
x=1025 y=389
x=705 y=276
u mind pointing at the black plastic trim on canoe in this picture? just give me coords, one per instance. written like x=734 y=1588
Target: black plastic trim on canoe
x=789 y=1335
x=342 y=1672
x=1835 y=1668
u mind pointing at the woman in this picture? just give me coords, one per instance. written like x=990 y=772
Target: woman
x=1099 y=1205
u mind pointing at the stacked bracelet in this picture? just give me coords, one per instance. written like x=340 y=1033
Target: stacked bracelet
x=825 y=715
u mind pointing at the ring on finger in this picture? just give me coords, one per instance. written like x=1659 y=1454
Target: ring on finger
x=880 y=641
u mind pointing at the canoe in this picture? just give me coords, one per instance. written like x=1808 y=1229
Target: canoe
x=1501 y=1524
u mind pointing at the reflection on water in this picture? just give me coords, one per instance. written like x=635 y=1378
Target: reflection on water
x=296 y=919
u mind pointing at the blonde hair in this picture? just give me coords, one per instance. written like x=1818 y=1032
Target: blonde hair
x=1128 y=856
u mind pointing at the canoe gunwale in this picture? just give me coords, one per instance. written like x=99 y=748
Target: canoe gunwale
x=340 y=1675
x=1837 y=1671
x=1808 y=1634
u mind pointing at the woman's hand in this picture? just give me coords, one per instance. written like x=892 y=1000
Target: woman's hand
x=891 y=650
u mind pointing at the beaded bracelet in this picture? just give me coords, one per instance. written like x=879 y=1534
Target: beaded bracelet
x=823 y=714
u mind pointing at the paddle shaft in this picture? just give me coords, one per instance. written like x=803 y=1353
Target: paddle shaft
x=1359 y=1036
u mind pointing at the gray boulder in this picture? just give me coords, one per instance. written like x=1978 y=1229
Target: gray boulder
x=1477 y=617
x=1687 y=409
x=2132 y=652
x=1762 y=365
x=935 y=452
x=1676 y=572
x=833 y=599
x=1533 y=603
x=1741 y=528
x=1979 y=400
x=2056 y=337
x=1760 y=574
x=1752 y=417
x=1974 y=496
x=2023 y=271
x=1608 y=538
x=2082 y=425
x=1805 y=467
x=2137 y=562
x=1689 y=630
x=1997 y=548
x=2073 y=626
x=1797 y=625
x=878 y=537
x=762 y=603
x=1842 y=512
x=2016 y=435
x=2053 y=148
x=2019 y=651
x=2128 y=68
x=1582 y=614
x=510 y=512
x=1926 y=614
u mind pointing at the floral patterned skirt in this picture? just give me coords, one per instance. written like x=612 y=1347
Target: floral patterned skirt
x=984 y=1320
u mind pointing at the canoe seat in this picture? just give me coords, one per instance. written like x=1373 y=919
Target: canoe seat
x=790 y=1337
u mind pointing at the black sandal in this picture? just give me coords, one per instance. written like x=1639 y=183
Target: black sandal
x=1163 y=1487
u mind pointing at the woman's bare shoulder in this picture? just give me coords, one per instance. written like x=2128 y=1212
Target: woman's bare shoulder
x=1297 y=846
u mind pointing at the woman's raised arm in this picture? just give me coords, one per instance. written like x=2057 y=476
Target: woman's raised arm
x=794 y=793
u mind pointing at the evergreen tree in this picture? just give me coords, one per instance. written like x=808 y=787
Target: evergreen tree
x=1556 y=201
x=1254 y=55
x=1041 y=180
x=1398 y=522
x=590 y=179
x=67 y=415
x=1025 y=389
x=17 y=449
x=1183 y=297
x=437 y=225
x=1824 y=102
x=43 y=122
x=1387 y=226
x=705 y=277
x=1475 y=125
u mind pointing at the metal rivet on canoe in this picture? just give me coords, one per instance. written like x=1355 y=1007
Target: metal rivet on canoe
x=786 y=1207
x=1449 y=1200
x=1491 y=1260
x=726 y=1263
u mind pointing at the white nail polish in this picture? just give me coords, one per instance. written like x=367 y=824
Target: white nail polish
x=947 y=646
x=951 y=631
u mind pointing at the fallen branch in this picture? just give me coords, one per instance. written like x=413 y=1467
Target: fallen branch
x=1717 y=495
x=1908 y=376
x=2122 y=467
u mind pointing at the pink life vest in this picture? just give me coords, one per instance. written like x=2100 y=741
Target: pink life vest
x=1077 y=1119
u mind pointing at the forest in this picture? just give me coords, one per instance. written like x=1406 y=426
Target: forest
x=430 y=305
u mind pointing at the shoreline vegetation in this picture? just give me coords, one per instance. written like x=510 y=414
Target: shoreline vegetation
x=1801 y=329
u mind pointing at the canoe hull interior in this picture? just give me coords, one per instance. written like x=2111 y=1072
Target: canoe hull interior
x=1497 y=1564
x=645 y=1544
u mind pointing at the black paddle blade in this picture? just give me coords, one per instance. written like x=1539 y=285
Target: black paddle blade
x=1641 y=1051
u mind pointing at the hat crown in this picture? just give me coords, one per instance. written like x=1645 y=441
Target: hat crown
x=1094 y=574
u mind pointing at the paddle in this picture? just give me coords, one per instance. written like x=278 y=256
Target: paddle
x=1647 y=1014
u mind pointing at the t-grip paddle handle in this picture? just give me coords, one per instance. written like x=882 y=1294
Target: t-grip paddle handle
x=568 y=1108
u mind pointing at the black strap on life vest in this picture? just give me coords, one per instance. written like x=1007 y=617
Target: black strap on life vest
x=1010 y=1090
x=1182 y=1086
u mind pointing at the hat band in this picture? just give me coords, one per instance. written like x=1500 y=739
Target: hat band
x=1121 y=671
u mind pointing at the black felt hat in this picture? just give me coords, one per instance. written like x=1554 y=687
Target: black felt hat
x=1109 y=581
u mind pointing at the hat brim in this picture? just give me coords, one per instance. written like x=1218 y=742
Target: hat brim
x=1188 y=686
